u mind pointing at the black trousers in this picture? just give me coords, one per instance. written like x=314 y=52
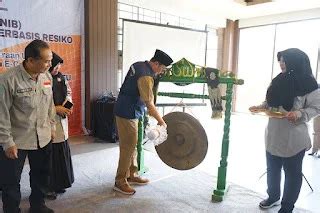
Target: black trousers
x=39 y=161
x=292 y=167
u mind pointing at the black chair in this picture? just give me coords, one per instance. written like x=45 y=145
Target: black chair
x=104 y=126
x=302 y=176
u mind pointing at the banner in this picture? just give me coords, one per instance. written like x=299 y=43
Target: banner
x=58 y=23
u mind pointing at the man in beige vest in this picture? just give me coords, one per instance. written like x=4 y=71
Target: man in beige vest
x=27 y=127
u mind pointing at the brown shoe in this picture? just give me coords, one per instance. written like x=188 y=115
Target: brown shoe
x=124 y=189
x=138 y=180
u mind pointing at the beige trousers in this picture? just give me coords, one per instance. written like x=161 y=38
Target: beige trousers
x=128 y=139
x=316 y=134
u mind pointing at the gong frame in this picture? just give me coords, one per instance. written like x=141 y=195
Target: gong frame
x=198 y=76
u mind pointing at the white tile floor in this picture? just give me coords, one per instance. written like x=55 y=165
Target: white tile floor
x=246 y=161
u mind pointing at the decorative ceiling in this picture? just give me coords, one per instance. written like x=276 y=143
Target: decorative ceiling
x=217 y=10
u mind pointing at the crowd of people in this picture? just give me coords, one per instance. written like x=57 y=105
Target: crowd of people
x=35 y=102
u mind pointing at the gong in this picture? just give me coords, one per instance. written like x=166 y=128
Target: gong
x=187 y=143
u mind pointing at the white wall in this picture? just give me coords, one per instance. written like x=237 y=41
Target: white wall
x=280 y=18
x=140 y=41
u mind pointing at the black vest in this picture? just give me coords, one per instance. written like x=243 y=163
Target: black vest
x=59 y=89
x=129 y=105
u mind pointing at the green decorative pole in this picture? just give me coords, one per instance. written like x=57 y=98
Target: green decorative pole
x=140 y=158
x=183 y=95
x=222 y=170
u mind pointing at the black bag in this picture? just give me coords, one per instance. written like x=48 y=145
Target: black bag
x=104 y=126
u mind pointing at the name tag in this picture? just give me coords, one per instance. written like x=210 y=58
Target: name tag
x=47 y=84
x=24 y=90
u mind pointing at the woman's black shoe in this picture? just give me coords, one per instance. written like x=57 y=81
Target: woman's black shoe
x=51 y=196
x=266 y=204
x=60 y=191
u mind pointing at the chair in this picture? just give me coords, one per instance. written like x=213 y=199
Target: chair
x=302 y=176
